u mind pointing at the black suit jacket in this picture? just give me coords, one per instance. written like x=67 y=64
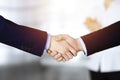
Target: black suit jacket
x=103 y=39
x=22 y=37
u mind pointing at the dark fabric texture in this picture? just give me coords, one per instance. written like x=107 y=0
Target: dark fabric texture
x=105 y=76
x=22 y=37
x=103 y=39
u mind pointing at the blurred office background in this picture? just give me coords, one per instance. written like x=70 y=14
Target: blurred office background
x=73 y=17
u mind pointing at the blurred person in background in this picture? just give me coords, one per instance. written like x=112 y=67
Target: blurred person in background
x=97 y=41
x=105 y=65
x=104 y=62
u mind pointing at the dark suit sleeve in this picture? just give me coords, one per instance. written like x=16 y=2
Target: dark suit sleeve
x=102 y=39
x=22 y=37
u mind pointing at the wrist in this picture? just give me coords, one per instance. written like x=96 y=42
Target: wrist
x=80 y=48
x=50 y=42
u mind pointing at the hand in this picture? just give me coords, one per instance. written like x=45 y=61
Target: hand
x=75 y=43
x=55 y=55
x=60 y=50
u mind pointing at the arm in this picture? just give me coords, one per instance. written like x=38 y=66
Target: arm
x=22 y=37
x=102 y=39
x=97 y=41
x=32 y=40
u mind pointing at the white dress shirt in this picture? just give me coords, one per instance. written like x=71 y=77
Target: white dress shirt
x=107 y=60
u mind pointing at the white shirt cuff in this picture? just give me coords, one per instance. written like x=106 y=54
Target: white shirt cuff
x=48 y=42
x=83 y=45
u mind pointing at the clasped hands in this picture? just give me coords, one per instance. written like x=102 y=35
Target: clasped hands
x=64 y=47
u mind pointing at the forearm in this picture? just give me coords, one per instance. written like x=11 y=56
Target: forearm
x=22 y=37
x=102 y=39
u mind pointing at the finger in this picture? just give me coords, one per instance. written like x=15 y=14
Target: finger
x=53 y=53
x=57 y=56
x=60 y=59
x=49 y=51
x=63 y=60
x=67 y=36
x=73 y=51
x=65 y=57
x=69 y=55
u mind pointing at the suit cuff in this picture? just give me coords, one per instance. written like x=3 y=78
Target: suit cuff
x=48 y=42
x=83 y=46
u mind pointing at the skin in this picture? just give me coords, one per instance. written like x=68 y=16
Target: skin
x=64 y=47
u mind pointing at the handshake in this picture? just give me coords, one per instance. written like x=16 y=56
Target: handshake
x=64 y=47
